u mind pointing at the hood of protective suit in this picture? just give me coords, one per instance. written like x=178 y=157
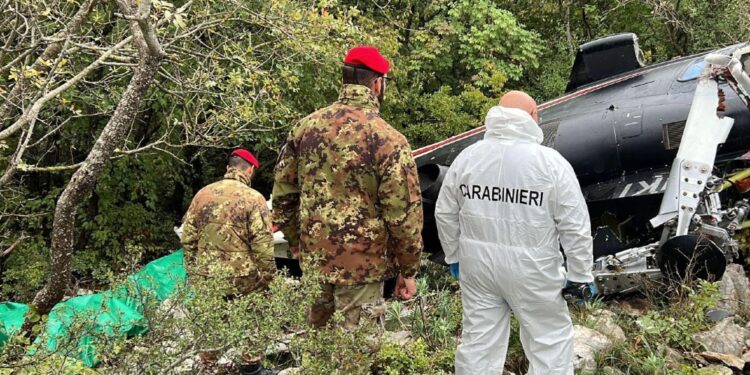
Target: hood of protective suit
x=512 y=124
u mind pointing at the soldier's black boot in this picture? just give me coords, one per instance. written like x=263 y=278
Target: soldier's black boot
x=256 y=369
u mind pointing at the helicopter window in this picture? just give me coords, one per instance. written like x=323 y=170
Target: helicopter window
x=693 y=71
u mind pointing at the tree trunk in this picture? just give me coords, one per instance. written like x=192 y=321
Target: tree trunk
x=84 y=180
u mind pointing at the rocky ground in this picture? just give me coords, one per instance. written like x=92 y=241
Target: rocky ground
x=691 y=330
x=724 y=348
x=609 y=336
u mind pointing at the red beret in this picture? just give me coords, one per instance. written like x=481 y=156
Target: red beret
x=246 y=155
x=368 y=57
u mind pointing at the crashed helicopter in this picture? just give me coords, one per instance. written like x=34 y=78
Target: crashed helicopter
x=662 y=153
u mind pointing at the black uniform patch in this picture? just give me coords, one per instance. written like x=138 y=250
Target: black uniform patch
x=503 y=194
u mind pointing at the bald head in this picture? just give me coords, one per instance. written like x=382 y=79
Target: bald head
x=520 y=100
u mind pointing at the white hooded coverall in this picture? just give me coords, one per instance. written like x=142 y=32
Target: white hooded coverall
x=506 y=205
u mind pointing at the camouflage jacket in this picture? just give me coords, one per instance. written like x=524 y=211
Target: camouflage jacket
x=227 y=231
x=346 y=189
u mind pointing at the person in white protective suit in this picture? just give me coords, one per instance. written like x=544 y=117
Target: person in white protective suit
x=506 y=205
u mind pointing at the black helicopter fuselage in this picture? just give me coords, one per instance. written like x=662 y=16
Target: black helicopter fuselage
x=620 y=134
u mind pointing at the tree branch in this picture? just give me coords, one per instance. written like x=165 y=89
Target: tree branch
x=120 y=153
x=84 y=179
x=13 y=246
x=39 y=103
x=51 y=52
x=51 y=169
x=11 y=170
x=149 y=34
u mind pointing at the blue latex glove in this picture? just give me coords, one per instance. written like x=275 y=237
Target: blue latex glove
x=579 y=292
x=454 y=270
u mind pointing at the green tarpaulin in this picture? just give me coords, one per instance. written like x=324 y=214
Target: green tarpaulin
x=11 y=319
x=114 y=313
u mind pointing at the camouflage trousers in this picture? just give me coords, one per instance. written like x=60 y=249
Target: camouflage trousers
x=355 y=302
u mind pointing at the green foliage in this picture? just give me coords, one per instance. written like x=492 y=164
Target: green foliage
x=491 y=44
x=201 y=320
x=430 y=118
x=26 y=270
x=675 y=325
x=335 y=350
x=669 y=323
x=238 y=73
x=393 y=359
x=454 y=61
x=53 y=364
x=209 y=322
x=241 y=73
x=437 y=318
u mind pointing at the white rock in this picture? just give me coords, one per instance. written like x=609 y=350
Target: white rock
x=673 y=357
x=187 y=366
x=229 y=358
x=726 y=337
x=172 y=308
x=734 y=289
x=277 y=348
x=725 y=359
x=587 y=343
x=281 y=346
x=604 y=321
x=399 y=338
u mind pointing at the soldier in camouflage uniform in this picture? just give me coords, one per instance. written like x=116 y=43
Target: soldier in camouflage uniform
x=227 y=230
x=347 y=193
x=227 y=233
